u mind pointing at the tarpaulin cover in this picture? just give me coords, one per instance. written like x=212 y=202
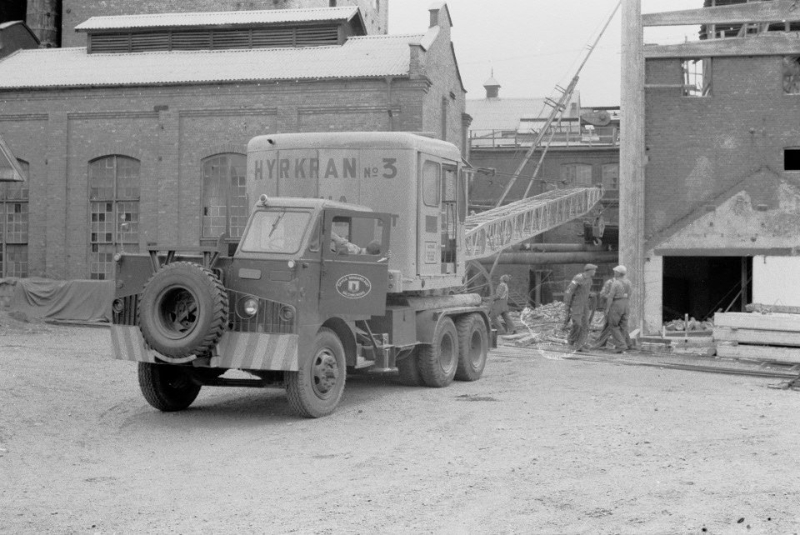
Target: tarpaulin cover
x=75 y=300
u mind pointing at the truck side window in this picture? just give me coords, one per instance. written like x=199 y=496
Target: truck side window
x=357 y=235
x=430 y=183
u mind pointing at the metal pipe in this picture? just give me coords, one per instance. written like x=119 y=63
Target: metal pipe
x=546 y=259
x=562 y=247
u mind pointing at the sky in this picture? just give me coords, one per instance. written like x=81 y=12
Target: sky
x=534 y=45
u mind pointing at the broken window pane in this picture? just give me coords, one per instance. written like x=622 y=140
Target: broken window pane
x=696 y=77
x=791 y=75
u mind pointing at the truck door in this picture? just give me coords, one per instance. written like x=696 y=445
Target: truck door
x=355 y=267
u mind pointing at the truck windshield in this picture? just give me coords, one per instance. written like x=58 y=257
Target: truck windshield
x=275 y=231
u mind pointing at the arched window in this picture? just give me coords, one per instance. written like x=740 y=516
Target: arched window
x=224 y=195
x=114 y=189
x=14 y=226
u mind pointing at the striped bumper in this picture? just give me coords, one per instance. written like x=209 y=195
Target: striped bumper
x=244 y=351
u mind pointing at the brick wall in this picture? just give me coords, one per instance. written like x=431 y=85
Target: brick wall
x=700 y=148
x=75 y=12
x=170 y=131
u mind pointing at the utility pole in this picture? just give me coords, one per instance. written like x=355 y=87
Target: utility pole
x=632 y=157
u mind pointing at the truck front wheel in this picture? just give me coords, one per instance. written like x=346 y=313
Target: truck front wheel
x=439 y=360
x=166 y=387
x=473 y=347
x=316 y=389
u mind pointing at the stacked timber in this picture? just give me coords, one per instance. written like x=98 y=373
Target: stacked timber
x=758 y=336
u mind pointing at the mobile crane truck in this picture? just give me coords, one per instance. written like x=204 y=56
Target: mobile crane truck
x=313 y=289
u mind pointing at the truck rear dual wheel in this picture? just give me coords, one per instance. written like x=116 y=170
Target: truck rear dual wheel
x=316 y=389
x=166 y=387
x=473 y=347
x=438 y=360
x=183 y=310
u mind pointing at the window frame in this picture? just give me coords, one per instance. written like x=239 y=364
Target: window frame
x=9 y=203
x=124 y=199
x=229 y=178
x=571 y=169
x=697 y=83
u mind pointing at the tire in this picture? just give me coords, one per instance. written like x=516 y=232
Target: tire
x=183 y=310
x=473 y=347
x=409 y=369
x=316 y=389
x=166 y=387
x=439 y=360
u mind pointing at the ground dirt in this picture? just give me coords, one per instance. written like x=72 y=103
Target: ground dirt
x=541 y=444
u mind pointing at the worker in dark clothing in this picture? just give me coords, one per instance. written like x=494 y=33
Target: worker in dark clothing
x=605 y=334
x=578 y=301
x=617 y=309
x=500 y=307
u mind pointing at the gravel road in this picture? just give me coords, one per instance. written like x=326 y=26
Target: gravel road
x=539 y=445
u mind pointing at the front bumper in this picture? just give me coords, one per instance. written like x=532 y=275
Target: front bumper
x=235 y=350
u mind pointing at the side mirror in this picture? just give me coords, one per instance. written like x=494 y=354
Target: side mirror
x=222 y=244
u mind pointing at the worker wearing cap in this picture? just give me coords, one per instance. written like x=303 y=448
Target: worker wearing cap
x=500 y=307
x=617 y=309
x=578 y=299
x=605 y=334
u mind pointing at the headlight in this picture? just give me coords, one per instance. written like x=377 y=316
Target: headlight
x=117 y=306
x=247 y=308
x=291 y=264
x=250 y=307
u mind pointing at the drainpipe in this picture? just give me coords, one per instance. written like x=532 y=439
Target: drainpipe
x=389 y=80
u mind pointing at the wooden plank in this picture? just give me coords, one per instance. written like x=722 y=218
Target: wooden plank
x=775 y=44
x=776 y=354
x=776 y=11
x=764 y=322
x=758 y=307
x=753 y=336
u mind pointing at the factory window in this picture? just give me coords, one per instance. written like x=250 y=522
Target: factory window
x=696 y=77
x=611 y=176
x=114 y=189
x=791 y=75
x=224 y=195
x=14 y=227
x=576 y=174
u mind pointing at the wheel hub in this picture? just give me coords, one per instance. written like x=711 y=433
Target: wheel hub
x=180 y=312
x=326 y=373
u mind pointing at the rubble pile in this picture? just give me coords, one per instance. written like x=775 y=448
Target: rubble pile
x=689 y=326
x=545 y=324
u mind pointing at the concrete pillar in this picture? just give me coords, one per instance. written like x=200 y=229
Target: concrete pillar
x=632 y=157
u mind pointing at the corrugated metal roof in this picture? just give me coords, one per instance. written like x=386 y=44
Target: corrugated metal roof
x=505 y=113
x=219 y=18
x=359 y=57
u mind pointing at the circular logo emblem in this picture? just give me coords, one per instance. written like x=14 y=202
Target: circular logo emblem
x=353 y=286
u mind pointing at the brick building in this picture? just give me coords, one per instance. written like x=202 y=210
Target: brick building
x=584 y=152
x=722 y=180
x=141 y=136
x=375 y=13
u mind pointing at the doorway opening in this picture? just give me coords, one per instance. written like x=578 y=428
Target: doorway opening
x=701 y=286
